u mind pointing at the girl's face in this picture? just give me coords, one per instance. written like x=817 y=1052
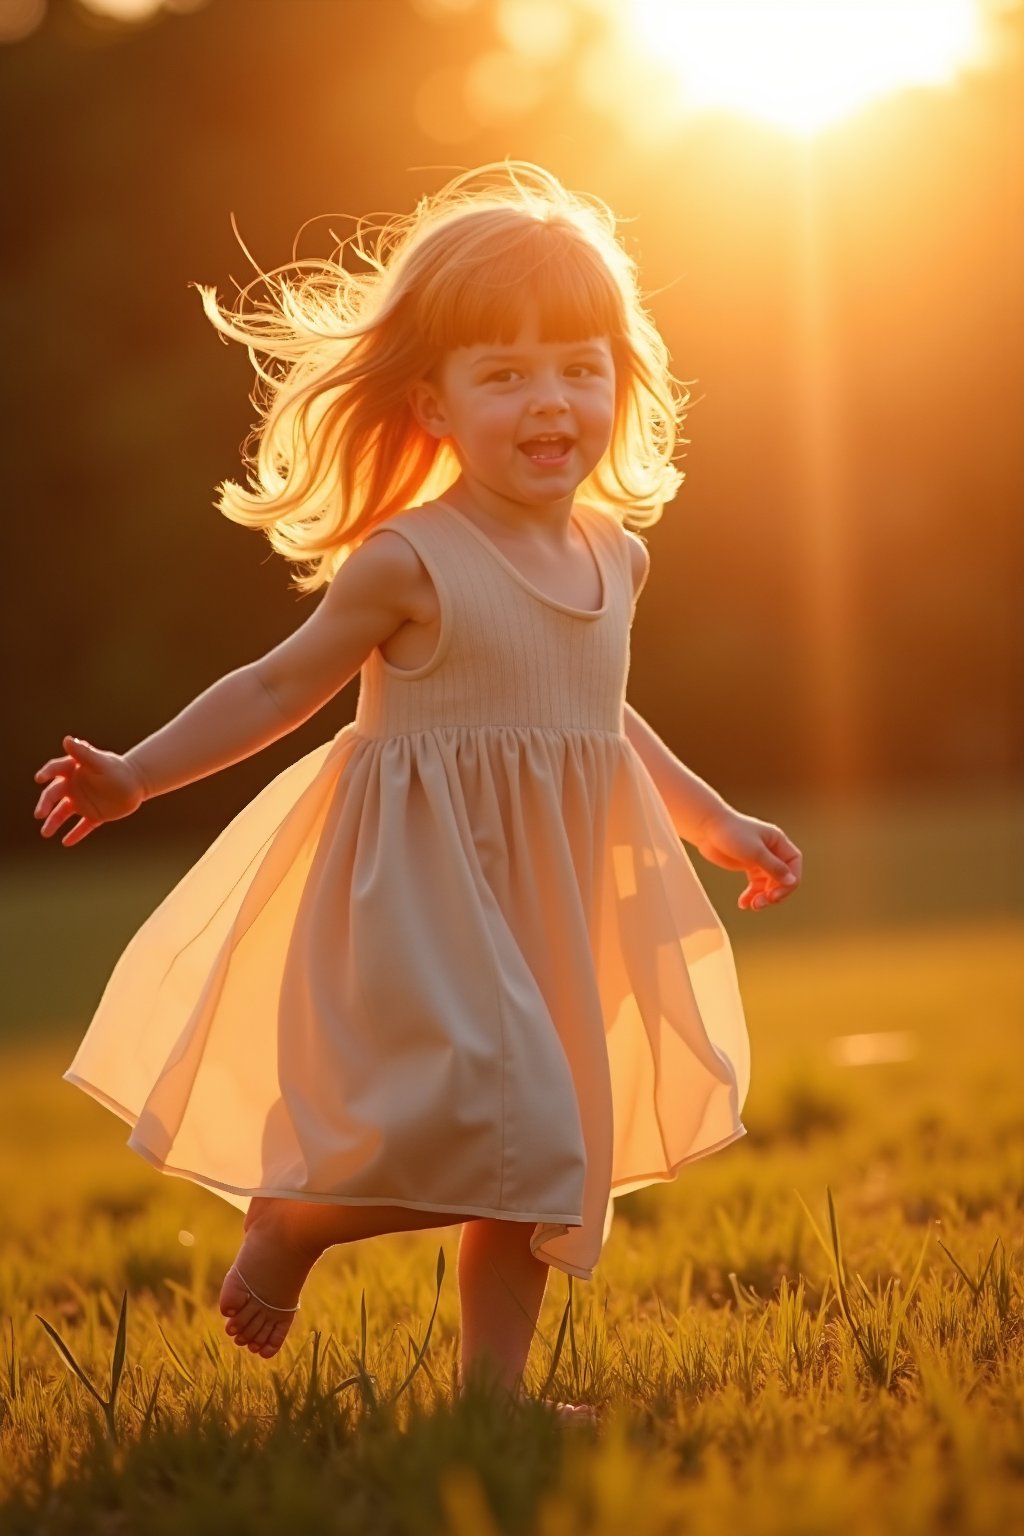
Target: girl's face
x=528 y=421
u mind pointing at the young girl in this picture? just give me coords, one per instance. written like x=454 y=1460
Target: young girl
x=454 y=965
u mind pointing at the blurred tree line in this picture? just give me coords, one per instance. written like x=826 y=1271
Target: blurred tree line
x=128 y=148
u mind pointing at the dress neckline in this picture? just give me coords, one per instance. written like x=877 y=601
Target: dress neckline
x=513 y=570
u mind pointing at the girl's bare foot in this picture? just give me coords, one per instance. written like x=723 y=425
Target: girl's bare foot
x=581 y=1412
x=274 y=1262
x=575 y=1411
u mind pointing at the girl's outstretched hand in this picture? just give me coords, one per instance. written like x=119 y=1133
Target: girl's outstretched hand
x=95 y=785
x=773 y=865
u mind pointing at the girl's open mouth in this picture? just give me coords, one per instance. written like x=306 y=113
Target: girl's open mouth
x=553 y=449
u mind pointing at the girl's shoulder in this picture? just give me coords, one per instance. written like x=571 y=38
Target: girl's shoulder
x=399 y=543
x=423 y=514
x=639 y=558
x=409 y=519
x=636 y=546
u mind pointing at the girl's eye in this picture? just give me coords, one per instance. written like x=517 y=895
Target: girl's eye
x=503 y=375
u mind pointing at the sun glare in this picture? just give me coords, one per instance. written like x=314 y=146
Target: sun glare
x=803 y=64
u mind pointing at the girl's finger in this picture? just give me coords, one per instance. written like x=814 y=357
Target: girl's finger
x=776 y=872
x=779 y=854
x=49 y=797
x=51 y=767
x=81 y=829
x=57 y=817
x=79 y=749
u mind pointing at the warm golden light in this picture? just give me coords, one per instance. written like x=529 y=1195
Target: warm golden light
x=802 y=64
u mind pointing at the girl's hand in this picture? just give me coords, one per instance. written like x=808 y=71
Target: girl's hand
x=97 y=786
x=773 y=865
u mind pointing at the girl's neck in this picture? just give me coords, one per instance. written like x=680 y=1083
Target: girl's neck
x=501 y=515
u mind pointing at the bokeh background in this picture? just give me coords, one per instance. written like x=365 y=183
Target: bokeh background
x=829 y=221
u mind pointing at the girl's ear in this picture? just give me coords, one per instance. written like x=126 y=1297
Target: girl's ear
x=428 y=408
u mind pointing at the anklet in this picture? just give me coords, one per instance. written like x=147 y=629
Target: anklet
x=252 y=1293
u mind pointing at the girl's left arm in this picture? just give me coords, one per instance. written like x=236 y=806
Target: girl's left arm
x=772 y=863
x=689 y=799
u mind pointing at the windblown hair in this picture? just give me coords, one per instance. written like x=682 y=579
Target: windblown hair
x=337 y=447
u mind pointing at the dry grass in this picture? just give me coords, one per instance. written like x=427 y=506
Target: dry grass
x=759 y=1368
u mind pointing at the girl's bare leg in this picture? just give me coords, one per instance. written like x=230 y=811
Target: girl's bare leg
x=283 y=1240
x=501 y=1288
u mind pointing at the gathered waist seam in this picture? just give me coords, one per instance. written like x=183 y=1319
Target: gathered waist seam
x=550 y=730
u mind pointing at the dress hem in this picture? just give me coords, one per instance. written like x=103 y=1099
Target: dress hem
x=562 y=1264
x=545 y=1218
x=642 y=1180
x=639 y=1181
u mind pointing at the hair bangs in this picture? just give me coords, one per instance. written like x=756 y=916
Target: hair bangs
x=542 y=271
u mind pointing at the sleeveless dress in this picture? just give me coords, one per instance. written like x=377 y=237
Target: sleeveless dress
x=456 y=958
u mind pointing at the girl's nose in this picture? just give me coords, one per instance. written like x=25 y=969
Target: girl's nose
x=547 y=395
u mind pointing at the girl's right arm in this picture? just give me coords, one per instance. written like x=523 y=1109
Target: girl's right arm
x=249 y=708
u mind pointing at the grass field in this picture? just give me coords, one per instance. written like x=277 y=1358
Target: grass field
x=751 y=1379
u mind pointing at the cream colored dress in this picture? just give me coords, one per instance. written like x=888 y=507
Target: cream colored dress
x=456 y=958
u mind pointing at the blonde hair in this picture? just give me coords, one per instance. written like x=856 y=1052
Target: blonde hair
x=337 y=448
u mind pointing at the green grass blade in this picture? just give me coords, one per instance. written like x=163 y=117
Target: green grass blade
x=426 y=1337
x=558 y=1351
x=179 y=1362
x=117 y=1363
x=70 y=1360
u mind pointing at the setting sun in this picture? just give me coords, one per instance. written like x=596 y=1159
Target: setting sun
x=803 y=65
